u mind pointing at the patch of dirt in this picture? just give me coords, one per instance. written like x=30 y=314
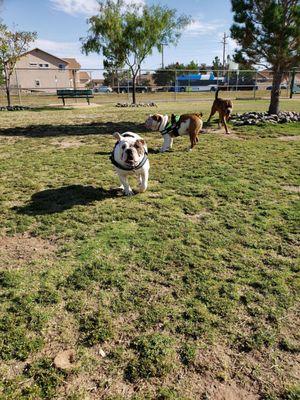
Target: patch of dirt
x=222 y=133
x=233 y=136
x=155 y=195
x=227 y=391
x=86 y=116
x=292 y=189
x=65 y=359
x=289 y=138
x=75 y=105
x=197 y=217
x=15 y=251
x=66 y=144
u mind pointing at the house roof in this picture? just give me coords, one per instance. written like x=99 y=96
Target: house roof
x=84 y=76
x=72 y=63
x=45 y=52
x=268 y=74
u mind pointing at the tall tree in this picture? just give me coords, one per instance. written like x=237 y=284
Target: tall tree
x=127 y=33
x=268 y=31
x=216 y=64
x=12 y=45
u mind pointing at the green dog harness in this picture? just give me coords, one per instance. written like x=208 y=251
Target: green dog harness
x=172 y=127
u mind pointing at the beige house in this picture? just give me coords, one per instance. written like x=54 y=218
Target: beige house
x=40 y=71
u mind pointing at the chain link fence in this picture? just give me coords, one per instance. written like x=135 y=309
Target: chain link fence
x=38 y=86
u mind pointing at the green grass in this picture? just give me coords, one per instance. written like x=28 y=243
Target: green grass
x=188 y=289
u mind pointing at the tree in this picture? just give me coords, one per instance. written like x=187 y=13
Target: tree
x=268 y=31
x=203 y=68
x=127 y=33
x=166 y=76
x=12 y=45
x=112 y=75
x=216 y=64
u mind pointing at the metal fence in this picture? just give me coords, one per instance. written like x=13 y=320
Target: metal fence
x=38 y=86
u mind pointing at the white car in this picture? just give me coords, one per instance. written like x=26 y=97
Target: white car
x=104 y=89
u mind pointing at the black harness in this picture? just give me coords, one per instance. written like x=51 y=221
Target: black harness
x=128 y=168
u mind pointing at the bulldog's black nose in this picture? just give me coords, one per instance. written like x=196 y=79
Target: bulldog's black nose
x=129 y=153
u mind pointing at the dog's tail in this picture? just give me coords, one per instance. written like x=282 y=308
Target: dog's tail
x=217 y=93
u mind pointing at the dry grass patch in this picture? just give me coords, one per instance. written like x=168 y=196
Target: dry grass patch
x=289 y=138
x=292 y=188
x=66 y=144
x=21 y=249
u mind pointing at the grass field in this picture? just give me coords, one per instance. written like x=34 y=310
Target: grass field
x=188 y=291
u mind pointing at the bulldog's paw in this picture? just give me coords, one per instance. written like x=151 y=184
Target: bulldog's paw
x=128 y=192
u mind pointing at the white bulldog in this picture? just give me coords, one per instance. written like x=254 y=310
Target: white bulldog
x=130 y=157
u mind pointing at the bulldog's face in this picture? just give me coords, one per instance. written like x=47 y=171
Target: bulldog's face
x=153 y=122
x=129 y=150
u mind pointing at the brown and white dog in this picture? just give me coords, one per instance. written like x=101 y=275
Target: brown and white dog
x=224 y=108
x=186 y=124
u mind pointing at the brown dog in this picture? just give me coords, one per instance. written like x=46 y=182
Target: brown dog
x=224 y=108
x=188 y=124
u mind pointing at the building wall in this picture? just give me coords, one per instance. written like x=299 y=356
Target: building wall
x=40 y=71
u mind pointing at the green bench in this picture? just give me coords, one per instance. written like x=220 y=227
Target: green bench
x=75 y=94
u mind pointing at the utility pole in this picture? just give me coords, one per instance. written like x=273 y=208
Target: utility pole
x=224 y=42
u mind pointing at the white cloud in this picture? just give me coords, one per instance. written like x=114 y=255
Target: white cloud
x=59 y=49
x=85 y=7
x=198 y=27
x=232 y=44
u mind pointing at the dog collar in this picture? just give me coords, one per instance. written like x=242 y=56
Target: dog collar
x=133 y=168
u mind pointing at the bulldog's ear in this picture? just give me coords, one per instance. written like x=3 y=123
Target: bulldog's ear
x=139 y=142
x=117 y=136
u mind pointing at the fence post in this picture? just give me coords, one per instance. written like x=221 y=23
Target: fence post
x=292 y=82
x=255 y=80
x=17 y=82
x=217 y=71
x=175 y=86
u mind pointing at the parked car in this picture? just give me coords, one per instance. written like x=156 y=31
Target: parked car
x=125 y=89
x=281 y=87
x=176 y=89
x=103 y=89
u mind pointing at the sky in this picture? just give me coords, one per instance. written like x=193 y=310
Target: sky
x=61 y=23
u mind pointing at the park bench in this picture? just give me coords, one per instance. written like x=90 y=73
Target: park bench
x=75 y=94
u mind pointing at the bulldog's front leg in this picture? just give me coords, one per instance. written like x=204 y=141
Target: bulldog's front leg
x=168 y=143
x=127 y=189
x=143 y=181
